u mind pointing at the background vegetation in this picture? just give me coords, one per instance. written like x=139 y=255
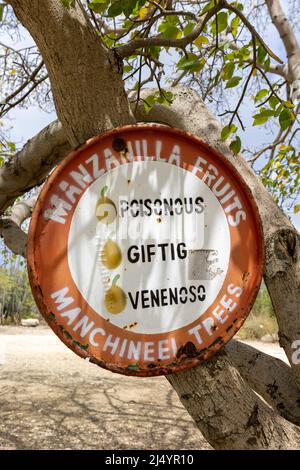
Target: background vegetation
x=16 y=301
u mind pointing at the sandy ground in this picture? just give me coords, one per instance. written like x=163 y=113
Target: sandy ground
x=52 y=399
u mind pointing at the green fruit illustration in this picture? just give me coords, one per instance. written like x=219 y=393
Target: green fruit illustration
x=106 y=211
x=111 y=255
x=115 y=298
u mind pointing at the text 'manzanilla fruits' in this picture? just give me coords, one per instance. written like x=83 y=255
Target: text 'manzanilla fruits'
x=145 y=257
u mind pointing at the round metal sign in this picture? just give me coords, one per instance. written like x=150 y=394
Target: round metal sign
x=145 y=250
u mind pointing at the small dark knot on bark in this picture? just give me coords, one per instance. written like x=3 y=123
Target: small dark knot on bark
x=286 y=245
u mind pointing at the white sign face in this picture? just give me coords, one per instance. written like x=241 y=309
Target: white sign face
x=145 y=251
x=158 y=222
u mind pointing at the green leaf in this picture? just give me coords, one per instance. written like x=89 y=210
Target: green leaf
x=67 y=3
x=1 y=11
x=165 y=97
x=261 y=94
x=263 y=116
x=261 y=54
x=200 y=41
x=99 y=6
x=132 y=6
x=11 y=146
x=221 y=21
x=189 y=27
x=127 y=68
x=233 y=82
x=273 y=101
x=258 y=120
x=296 y=208
x=149 y=103
x=154 y=51
x=209 y=6
x=228 y=70
x=265 y=112
x=278 y=110
x=288 y=104
x=238 y=5
x=169 y=31
x=267 y=64
x=191 y=63
x=227 y=131
x=236 y=145
x=286 y=118
x=115 y=9
x=243 y=53
x=234 y=26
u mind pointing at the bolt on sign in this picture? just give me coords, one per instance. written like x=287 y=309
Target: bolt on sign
x=145 y=250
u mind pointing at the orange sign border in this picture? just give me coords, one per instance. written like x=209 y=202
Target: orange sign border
x=186 y=360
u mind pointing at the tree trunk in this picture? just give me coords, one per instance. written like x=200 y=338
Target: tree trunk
x=85 y=76
x=227 y=411
x=89 y=95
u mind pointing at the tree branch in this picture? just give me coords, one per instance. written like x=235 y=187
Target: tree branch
x=291 y=45
x=29 y=79
x=128 y=49
x=280 y=70
x=10 y=227
x=283 y=26
x=228 y=412
x=270 y=377
x=77 y=62
x=32 y=164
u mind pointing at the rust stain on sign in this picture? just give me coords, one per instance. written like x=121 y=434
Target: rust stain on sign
x=145 y=251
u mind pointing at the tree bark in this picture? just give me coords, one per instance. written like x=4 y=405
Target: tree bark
x=226 y=410
x=85 y=76
x=291 y=45
x=11 y=226
x=270 y=377
x=32 y=164
x=90 y=98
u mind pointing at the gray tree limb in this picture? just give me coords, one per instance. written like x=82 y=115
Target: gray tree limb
x=10 y=226
x=291 y=45
x=270 y=377
x=227 y=411
x=31 y=165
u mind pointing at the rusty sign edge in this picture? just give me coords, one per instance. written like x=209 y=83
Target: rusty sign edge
x=188 y=361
